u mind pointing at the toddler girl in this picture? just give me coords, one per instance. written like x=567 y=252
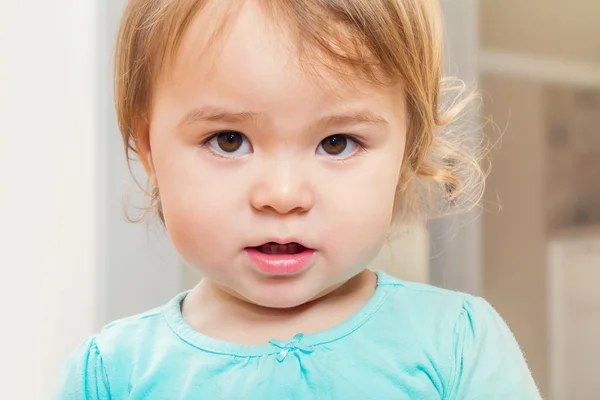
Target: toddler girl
x=283 y=139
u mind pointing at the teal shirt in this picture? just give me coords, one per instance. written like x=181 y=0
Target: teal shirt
x=410 y=341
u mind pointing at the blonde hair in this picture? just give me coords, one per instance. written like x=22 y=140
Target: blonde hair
x=384 y=42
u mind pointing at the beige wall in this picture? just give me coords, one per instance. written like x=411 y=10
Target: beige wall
x=514 y=272
x=550 y=28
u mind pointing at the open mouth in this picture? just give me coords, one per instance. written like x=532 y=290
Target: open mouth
x=276 y=248
x=275 y=259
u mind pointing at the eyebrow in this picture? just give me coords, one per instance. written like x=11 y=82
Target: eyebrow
x=215 y=114
x=354 y=117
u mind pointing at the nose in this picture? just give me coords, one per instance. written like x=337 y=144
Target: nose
x=282 y=188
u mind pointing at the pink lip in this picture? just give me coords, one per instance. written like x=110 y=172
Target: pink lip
x=281 y=264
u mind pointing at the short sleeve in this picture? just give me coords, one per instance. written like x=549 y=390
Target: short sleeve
x=488 y=363
x=83 y=377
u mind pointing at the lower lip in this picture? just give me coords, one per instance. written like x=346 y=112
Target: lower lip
x=281 y=264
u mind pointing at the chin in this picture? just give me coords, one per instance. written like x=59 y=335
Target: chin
x=281 y=297
x=279 y=302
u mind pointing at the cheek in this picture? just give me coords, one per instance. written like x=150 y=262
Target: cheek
x=362 y=209
x=199 y=205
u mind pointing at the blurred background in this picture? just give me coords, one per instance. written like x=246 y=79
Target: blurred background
x=70 y=262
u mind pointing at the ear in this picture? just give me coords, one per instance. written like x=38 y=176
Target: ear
x=144 y=149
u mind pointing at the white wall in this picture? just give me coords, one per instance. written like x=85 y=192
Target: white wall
x=70 y=261
x=48 y=193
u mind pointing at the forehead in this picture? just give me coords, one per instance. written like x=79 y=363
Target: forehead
x=236 y=49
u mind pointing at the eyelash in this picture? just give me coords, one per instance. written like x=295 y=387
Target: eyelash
x=356 y=140
x=361 y=144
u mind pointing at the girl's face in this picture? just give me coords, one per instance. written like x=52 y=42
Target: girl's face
x=247 y=149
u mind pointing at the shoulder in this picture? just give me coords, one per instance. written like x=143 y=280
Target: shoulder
x=435 y=318
x=474 y=351
x=100 y=365
x=472 y=347
x=126 y=329
x=103 y=365
x=83 y=375
x=122 y=337
x=434 y=304
x=125 y=344
x=427 y=303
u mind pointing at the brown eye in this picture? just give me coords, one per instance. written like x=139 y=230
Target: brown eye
x=335 y=145
x=230 y=143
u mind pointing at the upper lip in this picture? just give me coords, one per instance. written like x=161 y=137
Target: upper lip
x=281 y=241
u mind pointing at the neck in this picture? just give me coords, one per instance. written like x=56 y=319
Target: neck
x=218 y=313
